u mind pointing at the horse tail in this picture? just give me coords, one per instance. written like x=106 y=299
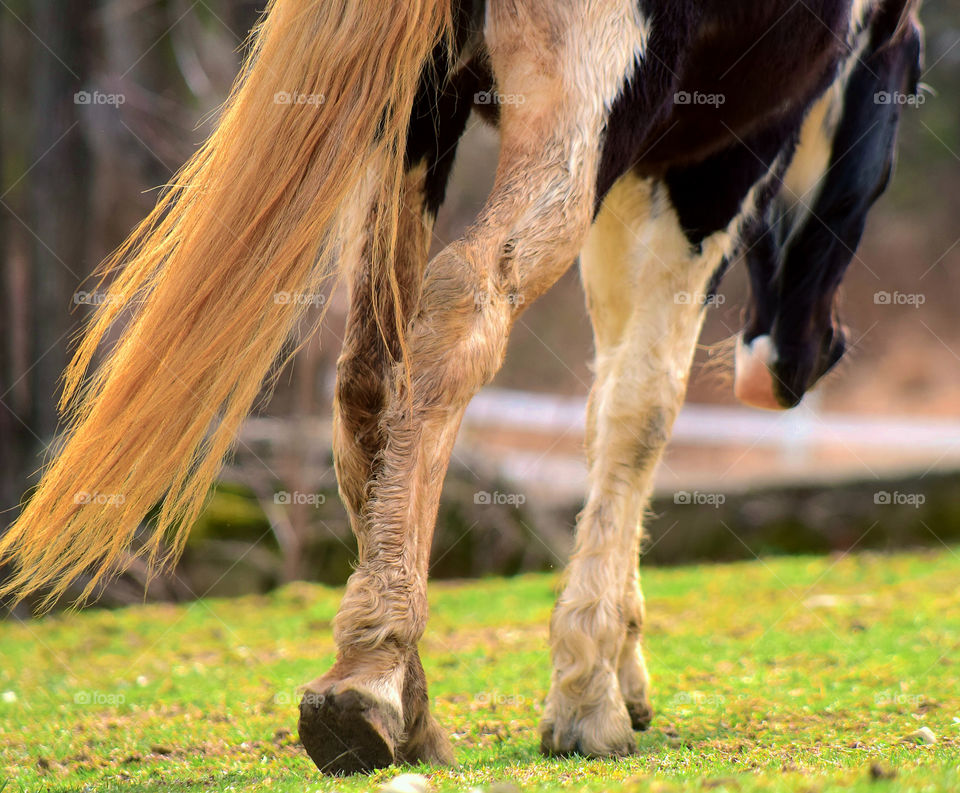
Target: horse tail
x=211 y=283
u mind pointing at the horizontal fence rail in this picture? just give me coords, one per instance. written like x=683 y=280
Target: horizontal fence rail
x=707 y=424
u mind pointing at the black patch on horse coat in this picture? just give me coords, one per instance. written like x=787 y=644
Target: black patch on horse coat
x=708 y=195
x=767 y=60
x=753 y=229
x=443 y=102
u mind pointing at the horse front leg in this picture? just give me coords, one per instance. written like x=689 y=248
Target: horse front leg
x=528 y=234
x=646 y=316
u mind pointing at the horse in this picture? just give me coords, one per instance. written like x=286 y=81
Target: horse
x=654 y=142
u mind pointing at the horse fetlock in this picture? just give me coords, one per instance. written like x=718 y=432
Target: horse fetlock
x=585 y=637
x=379 y=611
x=423 y=740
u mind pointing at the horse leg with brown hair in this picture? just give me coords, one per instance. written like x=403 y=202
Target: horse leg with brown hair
x=643 y=286
x=371 y=347
x=527 y=235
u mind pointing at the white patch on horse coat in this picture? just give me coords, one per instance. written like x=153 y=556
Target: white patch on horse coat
x=387 y=688
x=753 y=381
x=811 y=159
x=859 y=11
x=812 y=156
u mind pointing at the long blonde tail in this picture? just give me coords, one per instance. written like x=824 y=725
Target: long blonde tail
x=325 y=92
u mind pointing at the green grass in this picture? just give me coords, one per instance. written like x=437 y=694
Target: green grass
x=781 y=675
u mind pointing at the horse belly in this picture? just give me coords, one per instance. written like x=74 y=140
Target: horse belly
x=746 y=66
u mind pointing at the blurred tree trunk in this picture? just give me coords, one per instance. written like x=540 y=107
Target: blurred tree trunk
x=244 y=15
x=14 y=438
x=18 y=443
x=42 y=271
x=59 y=195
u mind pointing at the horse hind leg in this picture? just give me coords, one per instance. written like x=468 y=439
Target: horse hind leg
x=528 y=234
x=369 y=349
x=367 y=736
x=347 y=729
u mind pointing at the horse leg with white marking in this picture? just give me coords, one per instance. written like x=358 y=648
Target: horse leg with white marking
x=645 y=290
x=527 y=235
x=363 y=371
x=372 y=345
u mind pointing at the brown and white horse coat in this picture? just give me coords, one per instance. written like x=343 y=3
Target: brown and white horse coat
x=674 y=128
x=654 y=140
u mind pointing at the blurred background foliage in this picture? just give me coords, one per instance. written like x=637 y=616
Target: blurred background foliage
x=76 y=176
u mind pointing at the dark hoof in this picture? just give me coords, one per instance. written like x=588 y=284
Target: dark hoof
x=569 y=745
x=550 y=749
x=348 y=732
x=641 y=714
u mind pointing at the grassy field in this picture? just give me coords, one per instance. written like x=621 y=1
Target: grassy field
x=800 y=674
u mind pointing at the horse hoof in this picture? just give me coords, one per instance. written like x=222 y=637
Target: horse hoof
x=550 y=746
x=600 y=735
x=641 y=714
x=348 y=732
